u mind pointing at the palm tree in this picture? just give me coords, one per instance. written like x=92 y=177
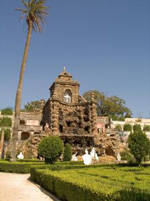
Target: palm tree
x=33 y=13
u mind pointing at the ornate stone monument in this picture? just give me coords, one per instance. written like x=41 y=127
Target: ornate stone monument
x=69 y=115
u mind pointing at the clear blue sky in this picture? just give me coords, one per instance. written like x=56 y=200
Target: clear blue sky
x=105 y=45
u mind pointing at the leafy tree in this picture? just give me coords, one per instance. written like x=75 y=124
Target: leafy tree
x=33 y=13
x=32 y=106
x=137 y=127
x=67 y=152
x=108 y=106
x=7 y=111
x=139 y=145
x=50 y=148
x=127 y=127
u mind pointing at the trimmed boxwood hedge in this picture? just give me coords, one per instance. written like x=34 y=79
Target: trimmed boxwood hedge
x=16 y=167
x=105 y=183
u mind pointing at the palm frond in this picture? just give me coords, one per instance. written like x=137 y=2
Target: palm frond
x=34 y=12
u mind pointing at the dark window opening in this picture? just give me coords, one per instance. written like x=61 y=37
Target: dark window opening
x=87 y=128
x=25 y=135
x=22 y=122
x=68 y=123
x=60 y=128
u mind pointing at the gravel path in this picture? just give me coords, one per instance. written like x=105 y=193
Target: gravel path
x=17 y=187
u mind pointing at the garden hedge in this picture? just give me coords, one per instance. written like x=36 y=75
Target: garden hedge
x=16 y=167
x=95 y=184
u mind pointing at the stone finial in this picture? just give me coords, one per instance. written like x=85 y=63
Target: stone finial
x=64 y=69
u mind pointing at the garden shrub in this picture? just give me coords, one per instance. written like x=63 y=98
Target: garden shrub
x=137 y=127
x=67 y=152
x=16 y=167
x=118 y=127
x=127 y=127
x=139 y=145
x=146 y=128
x=7 y=111
x=50 y=148
x=127 y=156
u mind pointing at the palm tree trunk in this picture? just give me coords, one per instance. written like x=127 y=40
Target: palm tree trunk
x=19 y=93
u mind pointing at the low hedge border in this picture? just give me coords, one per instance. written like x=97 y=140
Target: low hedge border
x=16 y=167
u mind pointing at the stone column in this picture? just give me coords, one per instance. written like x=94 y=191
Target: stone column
x=19 y=137
x=54 y=118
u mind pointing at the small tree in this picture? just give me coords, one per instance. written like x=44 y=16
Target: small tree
x=67 y=152
x=139 y=145
x=51 y=149
x=127 y=127
x=137 y=127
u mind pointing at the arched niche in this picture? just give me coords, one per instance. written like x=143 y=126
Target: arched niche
x=67 y=96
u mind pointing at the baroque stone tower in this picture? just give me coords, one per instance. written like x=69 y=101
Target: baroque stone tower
x=69 y=115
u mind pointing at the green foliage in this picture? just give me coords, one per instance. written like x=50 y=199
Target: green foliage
x=7 y=134
x=8 y=154
x=34 y=8
x=16 y=167
x=7 y=111
x=139 y=145
x=67 y=152
x=118 y=127
x=146 y=128
x=108 y=106
x=5 y=122
x=116 y=118
x=137 y=127
x=127 y=127
x=126 y=155
x=32 y=106
x=50 y=148
x=108 y=183
x=29 y=160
